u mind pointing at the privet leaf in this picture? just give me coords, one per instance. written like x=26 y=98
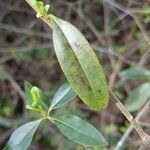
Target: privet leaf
x=64 y=94
x=78 y=61
x=135 y=74
x=137 y=97
x=80 y=64
x=79 y=131
x=22 y=137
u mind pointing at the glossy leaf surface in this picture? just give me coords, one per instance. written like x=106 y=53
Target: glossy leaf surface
x=79 y=131
x=64 y=94
x=80 y=64
x=22 y=137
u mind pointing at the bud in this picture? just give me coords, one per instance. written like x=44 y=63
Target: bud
x=35 y=92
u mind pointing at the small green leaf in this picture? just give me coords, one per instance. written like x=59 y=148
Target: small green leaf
x=135 y=74
x=36 y=98
x=22 y=137
x=64 y=94
x=40 y=98
x=35 y=92
x=5 y=122
x=79 y=131
x=138 y=97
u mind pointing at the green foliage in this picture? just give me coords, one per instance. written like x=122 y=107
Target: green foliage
x=22 y=137
x=64 y=94
x=39 y=7
x=138 y=97
x=145 y=10
x=22 y=56
x=77 y=60
x=79 y=64
x=36 y=98
x=111 y=128
x=135 y=74
x=71 y=126
x=79 y=131
x=84 y=73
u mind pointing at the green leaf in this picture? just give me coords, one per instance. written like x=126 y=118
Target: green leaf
x=22 y=137
x=5 y=122
x=64 y=94
x=79 y=64
x=39 y=98
x=36 y=98
x=79 y=131
x=135 y=74
x=138 y=97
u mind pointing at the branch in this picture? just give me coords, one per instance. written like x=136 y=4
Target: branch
x=14 y=84
x=134 y=124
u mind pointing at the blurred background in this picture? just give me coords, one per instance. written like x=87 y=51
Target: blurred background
x=119 y=33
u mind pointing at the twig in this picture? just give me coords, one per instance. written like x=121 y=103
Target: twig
x=23 y=31
x=129 y=130
x=131 y=13
x=25 y=49
x=88 y=22
x=145 y=124
x=14 y=84
x=113 y=53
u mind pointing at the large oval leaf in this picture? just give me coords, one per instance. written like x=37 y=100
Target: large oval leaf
x=22 y=137
x=79 y=131
x=79 y=64
x=64 y=94
x=138 y=97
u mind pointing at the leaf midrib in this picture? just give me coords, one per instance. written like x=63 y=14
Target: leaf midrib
x=29 y=132
x=74 y=129
x=64 y=94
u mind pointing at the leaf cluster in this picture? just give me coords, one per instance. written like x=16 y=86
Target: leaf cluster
x=70 y=126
